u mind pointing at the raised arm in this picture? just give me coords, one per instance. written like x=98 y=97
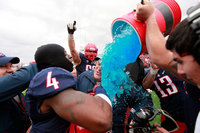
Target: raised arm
x=154 y=38
x=156 y=44
x=155 y=41
x=71 y=27
x=147 y=82
x=90 y=112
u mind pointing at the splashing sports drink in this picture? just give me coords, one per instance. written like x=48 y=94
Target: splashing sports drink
x=116 y=56
x=129 y=42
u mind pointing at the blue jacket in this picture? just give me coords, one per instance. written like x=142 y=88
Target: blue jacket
x=13 y=117
x=11 y=85
x=85 y=81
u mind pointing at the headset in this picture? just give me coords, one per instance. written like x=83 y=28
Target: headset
x=194 y=21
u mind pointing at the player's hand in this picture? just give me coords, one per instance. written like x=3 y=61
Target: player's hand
x=144 y=10
x=159 y=128
x=71 y=27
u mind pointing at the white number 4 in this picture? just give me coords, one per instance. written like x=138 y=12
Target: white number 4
x=52 y=81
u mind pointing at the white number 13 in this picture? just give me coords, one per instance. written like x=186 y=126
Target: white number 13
x=172 y=89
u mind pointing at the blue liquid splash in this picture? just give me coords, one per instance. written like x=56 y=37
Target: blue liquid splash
x=124 y=49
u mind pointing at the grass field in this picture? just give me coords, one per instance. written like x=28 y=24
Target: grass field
x=156 y=103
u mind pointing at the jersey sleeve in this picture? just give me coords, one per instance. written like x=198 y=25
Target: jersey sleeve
x=100 y=91
x=82 y=56
x=49 y=82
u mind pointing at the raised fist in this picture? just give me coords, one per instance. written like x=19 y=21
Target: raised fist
x=71 y=27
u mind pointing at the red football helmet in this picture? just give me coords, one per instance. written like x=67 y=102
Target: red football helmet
x=91 y=51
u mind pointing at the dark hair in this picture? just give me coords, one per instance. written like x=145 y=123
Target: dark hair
x=182 y=38
x=136 y=71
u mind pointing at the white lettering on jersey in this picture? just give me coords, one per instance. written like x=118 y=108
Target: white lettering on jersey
x=89 y=67
x=52 y=81
x=172 y=87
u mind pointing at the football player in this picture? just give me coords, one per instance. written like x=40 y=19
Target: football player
x=82 y=61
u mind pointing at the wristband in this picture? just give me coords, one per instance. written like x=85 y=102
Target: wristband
x=153 y=71
x=70 y=37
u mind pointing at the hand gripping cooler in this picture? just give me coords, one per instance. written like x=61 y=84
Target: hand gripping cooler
x=167 y=13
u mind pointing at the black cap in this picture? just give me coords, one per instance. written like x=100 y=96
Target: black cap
x=52 y=55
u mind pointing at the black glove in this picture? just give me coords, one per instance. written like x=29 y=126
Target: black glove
x=71 y=27
x=142 y=116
